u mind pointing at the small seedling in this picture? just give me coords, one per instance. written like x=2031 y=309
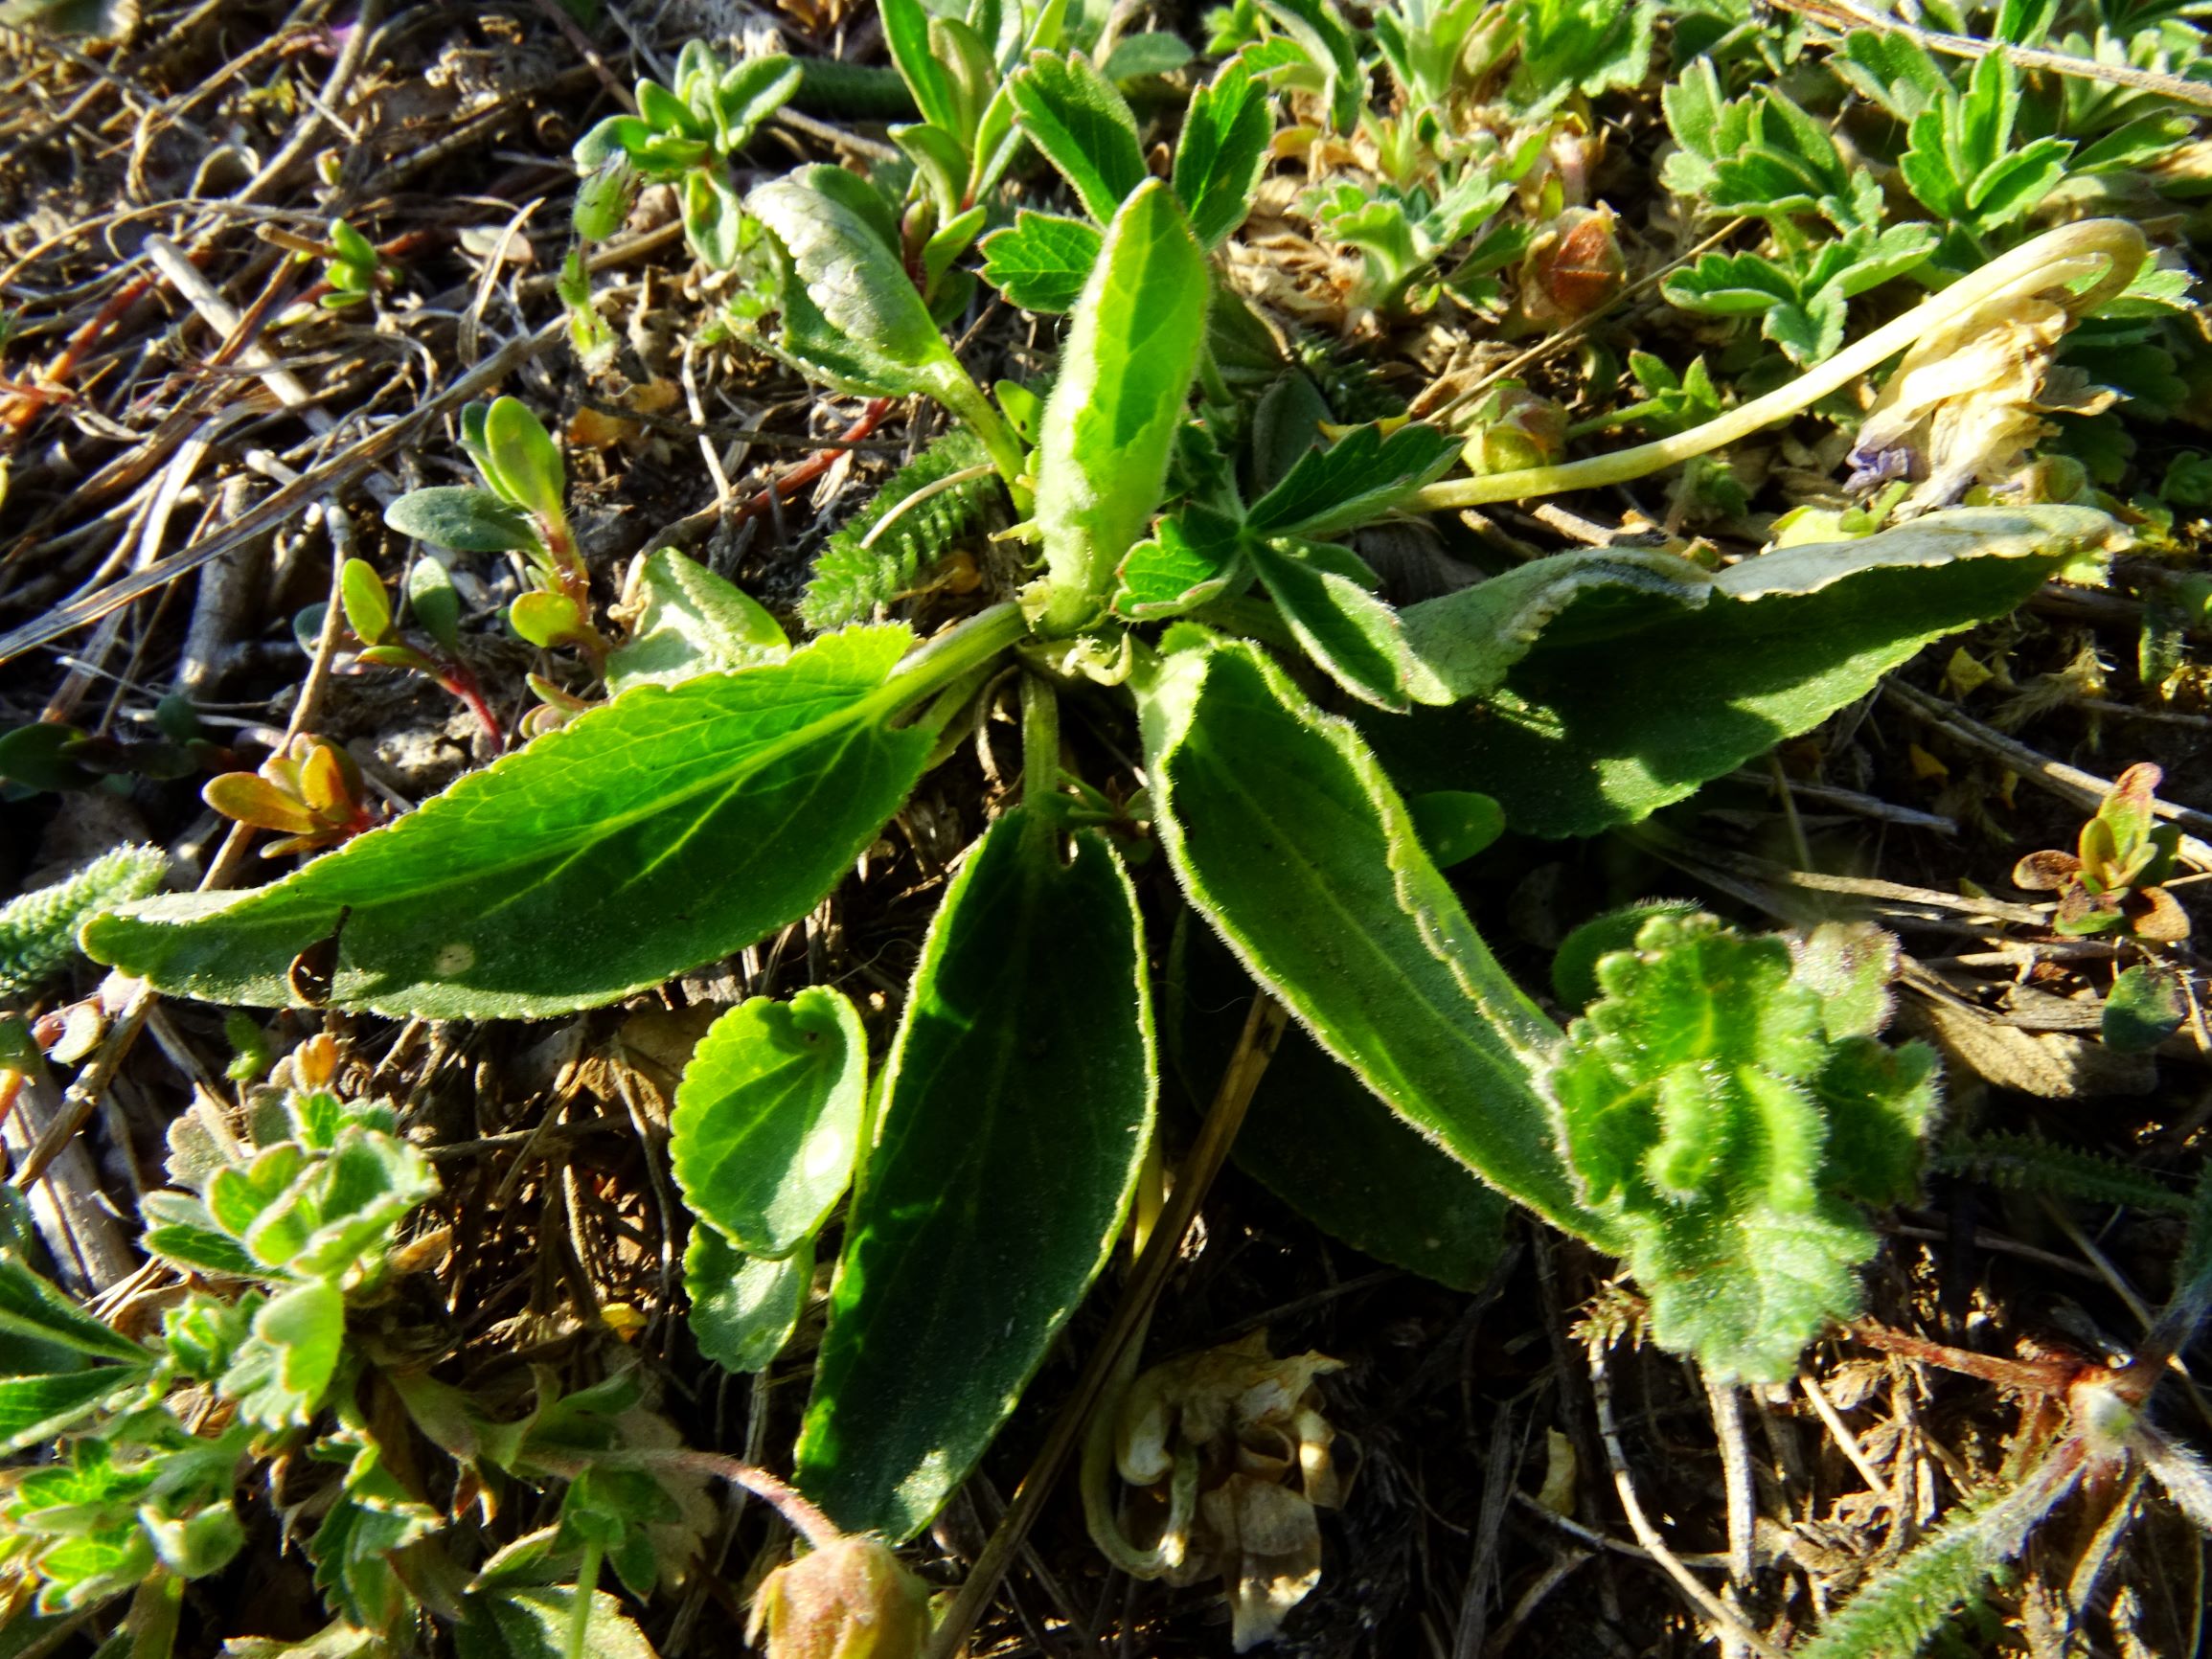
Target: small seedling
x=430 y=597
x=2110 y=883
x=311 y=790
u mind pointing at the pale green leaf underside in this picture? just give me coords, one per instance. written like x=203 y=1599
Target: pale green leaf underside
x=1286 y=836
x=1017 y=1106
x=767 y=1118
x=694 y=622
x=743 y=1308
x=1597 y=725
x=669 y=829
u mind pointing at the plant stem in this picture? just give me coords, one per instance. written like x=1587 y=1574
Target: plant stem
x=952 y=654
x=586 y=1581
x=1039 y=740
x=2111 y=249
x=960 y=394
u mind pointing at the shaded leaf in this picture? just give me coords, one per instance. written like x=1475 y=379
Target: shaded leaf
x=1042 y=260
x=743 y=1308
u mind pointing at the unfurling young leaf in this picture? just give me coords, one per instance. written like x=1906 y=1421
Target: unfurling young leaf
x=1017 y=1105
x=1713 y=1116
x=1126 y=371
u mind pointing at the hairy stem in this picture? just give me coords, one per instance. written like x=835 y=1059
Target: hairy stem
x=2109 y=250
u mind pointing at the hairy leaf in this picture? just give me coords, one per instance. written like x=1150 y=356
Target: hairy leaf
x=38 y=930
x=1041 y=261
x=869 y=563
x=1083 y=125
x=30 y=1306
x=1126 y=371
x=1194 y=557
x=1709 y=1113
x=1636 y=703
x=1222 y=151
x=1323 y=592
x=767 y=1118
x=1017 y=1104
x=694 y=622
x=1355 y=480
x=465 y=519
x=743 y=1308
x=671 y=827
x=1288 y=838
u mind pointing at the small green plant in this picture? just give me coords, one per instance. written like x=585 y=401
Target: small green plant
x=1190 y=502
x=685 y=137
x=295 y=1238
x=353 y=268
x=2110 y=883
x=437 y=609
x=520 y=509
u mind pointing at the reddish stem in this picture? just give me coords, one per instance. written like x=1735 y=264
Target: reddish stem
x=2045 y=1376
x=808 y=471
x=459 y=680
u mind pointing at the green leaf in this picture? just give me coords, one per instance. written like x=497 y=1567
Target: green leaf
x=435 y=606
x=2143 y=1009
x=858 y=305
x=1126 y=371
x=1710 y=1115
x=1289 y=838
x=694 y=622
x=1081 y=125
x=1635 y=704
x=1329 y=43
x=30 y=1307
x=941 y=159
x=767 y=1118
x=713 y=221
x=1319 y=1140
x=525 y=461
x=39 y=929
x=1136 y=56
x=285 y=1369
x=906 y=28
x=465 y=519
x=748 y=93
x=1221 y=154
x=743 y=1308
x=1041 y=261
x=1017 y=1105
x=547 y=619
x=875 y=558
x=664 y=831
x=1454 y=825
x=1194 y=557
x=179 y=1228
x=368 y=606
x=1355 y=480
x=36 y=1409
x=1323 y=592
x=535 y=1622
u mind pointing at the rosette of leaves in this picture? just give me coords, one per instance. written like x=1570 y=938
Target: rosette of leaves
x=686 y=137
x=1726 y=1108
x=1195 y=570
x=2111 y=883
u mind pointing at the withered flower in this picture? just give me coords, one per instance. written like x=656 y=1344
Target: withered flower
x=1229 y=1456
x=850 y=1598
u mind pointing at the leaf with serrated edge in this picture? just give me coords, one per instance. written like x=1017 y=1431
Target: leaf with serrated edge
x=1222 y=151
x=1083 y=125
x=1609 y=725
x=669 y=829
x=1288 y=838
x=767 y=1118
x=744 y=1308
x=1353 y=482
x=32 y=1307
x=1353 y=636
x=1192 y=557
x=1042 y=260
x=1017 y=1105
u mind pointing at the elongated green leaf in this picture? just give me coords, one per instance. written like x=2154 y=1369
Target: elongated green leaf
x=744 y=1308
x=666 y=830
x=1042 y=260
x=30 y=1307
x=694 y=624
x=767 y=1118
x=1640 y=702
x=1344 y=627
x=1317 y=1139
x=35 y=1409
x=1017 y=1106
x=465 y=519
x=1288 y=838
x=1353 y=482
x=1124 y=374
x=844 y=245
x=1222 y=151
x=525 y=461
x=1081 y=125
x=1329 y=43
x=906 y=27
